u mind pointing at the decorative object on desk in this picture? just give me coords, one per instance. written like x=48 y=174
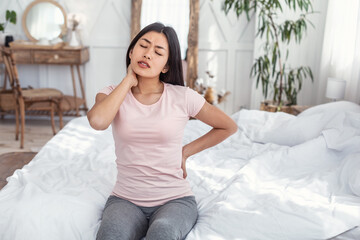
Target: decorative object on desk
x=208 y=90
x=76 y=22
x=335 y=89
x=200 y=86
x=73 y=40
x=9 y=18
x=222 y=96
x=272 y=69
x=210 y=95
x=210 y=78
x=44 y=19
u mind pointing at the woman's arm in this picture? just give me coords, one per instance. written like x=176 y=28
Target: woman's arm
x=105 y=108
x=223 y=127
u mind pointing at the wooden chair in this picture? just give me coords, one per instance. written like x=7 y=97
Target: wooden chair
x=39 y=99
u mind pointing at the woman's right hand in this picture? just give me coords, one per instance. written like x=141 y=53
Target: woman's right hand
x=131 y=77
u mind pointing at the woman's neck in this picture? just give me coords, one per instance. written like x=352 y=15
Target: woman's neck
x=147 y=86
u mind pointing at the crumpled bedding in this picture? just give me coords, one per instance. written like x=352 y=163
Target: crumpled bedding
x=279 y=177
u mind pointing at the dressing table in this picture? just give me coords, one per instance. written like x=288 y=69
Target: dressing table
x=40 y=27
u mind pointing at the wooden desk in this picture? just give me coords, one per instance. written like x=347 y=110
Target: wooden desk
x=74 y=57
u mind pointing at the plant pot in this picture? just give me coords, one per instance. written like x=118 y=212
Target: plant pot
x=5 y=39
x=270 y=106
x=8 y=39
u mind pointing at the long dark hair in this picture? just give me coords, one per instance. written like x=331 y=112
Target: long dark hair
x=175 y=74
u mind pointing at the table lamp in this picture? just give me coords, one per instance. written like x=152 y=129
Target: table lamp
x=335 y=89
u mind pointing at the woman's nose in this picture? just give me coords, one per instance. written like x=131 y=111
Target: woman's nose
x=147 y=55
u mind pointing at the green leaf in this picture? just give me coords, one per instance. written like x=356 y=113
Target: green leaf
x=7 y=16
x=11 y=16
x=2 y=27
x=287 y=54
x=300 y=3
x=311 y=75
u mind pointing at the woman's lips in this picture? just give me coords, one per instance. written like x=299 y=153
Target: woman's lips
x=143 y=64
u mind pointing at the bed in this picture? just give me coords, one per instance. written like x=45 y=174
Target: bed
x=279 y=177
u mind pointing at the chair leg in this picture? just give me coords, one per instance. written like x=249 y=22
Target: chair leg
x=60 y=115
x=52 y=118
x=22 y=114
x=17 y=122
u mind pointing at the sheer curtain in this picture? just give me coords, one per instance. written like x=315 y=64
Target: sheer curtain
x=174 y=13
x=341 y=49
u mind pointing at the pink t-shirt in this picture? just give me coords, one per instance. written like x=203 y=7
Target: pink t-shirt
x=148 y=145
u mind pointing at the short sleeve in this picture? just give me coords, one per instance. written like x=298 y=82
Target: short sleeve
x=194 y=102
x=107 y=90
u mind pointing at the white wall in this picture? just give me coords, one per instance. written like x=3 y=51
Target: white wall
x=226 y=46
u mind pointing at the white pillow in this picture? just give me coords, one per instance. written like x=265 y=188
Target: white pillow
x=332 y=107
x=285 y=129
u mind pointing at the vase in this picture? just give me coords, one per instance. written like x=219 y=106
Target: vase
x=74 y=42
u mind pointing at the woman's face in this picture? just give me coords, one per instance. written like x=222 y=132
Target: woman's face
x=150 y=55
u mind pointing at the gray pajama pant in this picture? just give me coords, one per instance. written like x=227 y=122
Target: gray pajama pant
x=123 y=220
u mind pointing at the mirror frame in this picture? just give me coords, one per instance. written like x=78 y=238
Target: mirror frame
x=192 y=58
x=27 y=11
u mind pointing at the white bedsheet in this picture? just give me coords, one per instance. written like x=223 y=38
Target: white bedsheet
x=279 y=177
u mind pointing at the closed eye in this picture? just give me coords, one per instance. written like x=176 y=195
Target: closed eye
x=143 y=46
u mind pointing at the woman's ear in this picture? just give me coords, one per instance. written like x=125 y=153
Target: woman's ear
x=130 y=53
x=166 y=68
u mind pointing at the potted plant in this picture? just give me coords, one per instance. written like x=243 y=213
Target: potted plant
x=271 y=68
x=9 y=17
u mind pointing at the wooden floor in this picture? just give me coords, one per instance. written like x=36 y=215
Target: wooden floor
x=37 y=132
x=9 y=162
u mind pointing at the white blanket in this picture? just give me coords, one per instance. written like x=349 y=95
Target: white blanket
x=279 y=177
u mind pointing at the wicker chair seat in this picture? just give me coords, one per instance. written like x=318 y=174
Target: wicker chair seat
x=41 y=94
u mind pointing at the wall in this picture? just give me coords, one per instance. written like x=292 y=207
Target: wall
x=226 y=47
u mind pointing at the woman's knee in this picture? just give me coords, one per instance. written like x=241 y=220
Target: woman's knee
x=114 y=231
x=163 y=230
x=122 y=220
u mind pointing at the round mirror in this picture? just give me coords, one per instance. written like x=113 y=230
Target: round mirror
x=44 y=19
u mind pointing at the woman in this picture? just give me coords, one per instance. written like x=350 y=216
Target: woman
x=148 y=111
